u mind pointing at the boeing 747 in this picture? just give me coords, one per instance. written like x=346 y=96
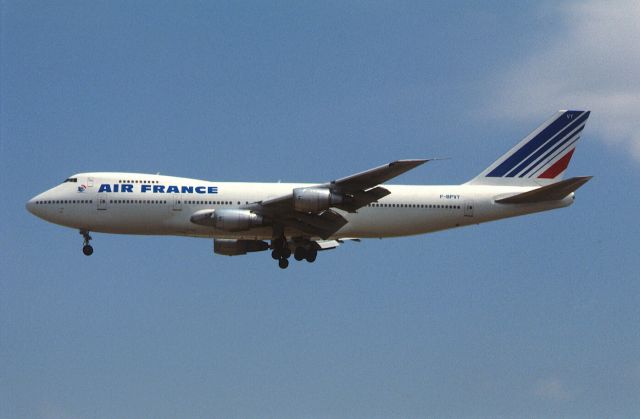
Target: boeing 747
x=304 y=218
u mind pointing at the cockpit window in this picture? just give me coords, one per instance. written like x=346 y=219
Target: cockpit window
x=71 y=179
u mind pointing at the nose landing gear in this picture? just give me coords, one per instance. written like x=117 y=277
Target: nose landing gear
x=87 y=249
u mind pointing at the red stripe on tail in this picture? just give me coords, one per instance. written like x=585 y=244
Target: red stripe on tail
x=558 y=167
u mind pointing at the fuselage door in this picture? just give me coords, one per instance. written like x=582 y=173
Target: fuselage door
x=468 y=208
x=102 y=200
x=177 y=202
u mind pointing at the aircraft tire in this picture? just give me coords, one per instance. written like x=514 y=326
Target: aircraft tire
x=311 y=256
x=286 y=252
x=87 y=250
x=300 y=253
x=283 y=263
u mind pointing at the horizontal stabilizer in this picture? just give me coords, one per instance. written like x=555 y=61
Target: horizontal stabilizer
x=554 y=192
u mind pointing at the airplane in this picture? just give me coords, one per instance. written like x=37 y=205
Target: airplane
x=304 y=218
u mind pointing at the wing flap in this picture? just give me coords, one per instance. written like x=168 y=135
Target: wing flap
x=324 y=224
x=361 y=199
x=321 y=225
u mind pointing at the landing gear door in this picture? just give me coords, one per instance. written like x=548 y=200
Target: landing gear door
x=468 y=208
x=177 y=202
x=102 y=200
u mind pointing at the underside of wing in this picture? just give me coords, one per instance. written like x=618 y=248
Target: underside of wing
x=281 y=211
x=322 y=225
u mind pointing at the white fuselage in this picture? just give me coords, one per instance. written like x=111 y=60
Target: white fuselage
x=163 y=205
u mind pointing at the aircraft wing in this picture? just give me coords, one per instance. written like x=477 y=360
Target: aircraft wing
x=373 y=177
x=355 y=191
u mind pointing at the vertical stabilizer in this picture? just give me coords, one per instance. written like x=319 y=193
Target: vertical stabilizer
x=542 y=157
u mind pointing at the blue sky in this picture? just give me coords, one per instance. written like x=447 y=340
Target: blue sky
x=529 y=317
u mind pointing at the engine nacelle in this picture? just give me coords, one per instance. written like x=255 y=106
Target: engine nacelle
x=314 y=199
x=230 y=247
x=228 y=219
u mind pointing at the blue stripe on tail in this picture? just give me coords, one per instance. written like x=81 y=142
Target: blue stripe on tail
x=563 y=136
x=545 y=159
x=562 y=122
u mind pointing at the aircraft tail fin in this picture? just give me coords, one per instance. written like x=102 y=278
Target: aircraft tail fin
x=553 y=192
x=542 y=157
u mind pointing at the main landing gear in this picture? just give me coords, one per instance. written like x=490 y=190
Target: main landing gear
x=87 y=249
x=281 y=252
x=304 y=252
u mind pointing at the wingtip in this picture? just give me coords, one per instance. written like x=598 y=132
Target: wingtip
x=416 y=162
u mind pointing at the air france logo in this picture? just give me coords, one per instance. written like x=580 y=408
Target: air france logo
x=82 y=188
x=163 y=189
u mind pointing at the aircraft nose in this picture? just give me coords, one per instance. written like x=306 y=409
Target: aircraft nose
x=31 y=205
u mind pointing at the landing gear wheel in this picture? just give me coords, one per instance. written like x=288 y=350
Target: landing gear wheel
x=286 y=252
x=311 y=255
x=87 y=250
x=280 y=247
x=300 y=253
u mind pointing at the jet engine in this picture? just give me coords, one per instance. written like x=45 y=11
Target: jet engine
x=228 y=219
x=230 y=247
x=315 y=199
